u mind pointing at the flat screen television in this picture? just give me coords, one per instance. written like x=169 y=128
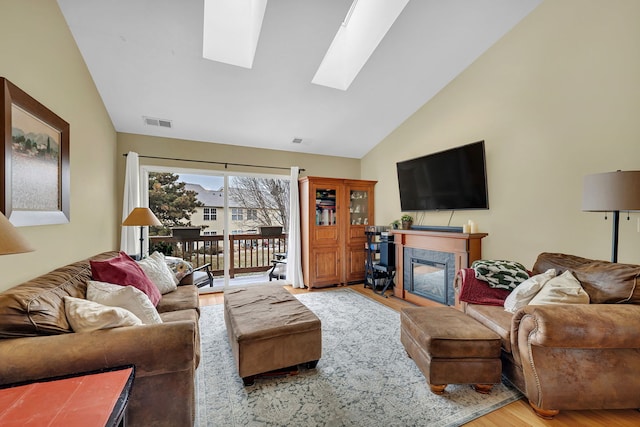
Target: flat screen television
x=453 y=179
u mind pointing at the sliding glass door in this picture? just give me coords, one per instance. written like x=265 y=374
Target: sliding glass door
x=236 y=223
x=259 y=208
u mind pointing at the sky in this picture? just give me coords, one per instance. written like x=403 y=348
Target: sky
x=207 y=181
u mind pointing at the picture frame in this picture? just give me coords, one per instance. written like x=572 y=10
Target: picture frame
x=34 y=163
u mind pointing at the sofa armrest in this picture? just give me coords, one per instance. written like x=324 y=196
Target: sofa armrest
x=578 y=325
x=153 y=349
x=585 y=348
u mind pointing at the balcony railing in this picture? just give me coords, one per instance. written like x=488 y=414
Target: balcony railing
x=251 y=253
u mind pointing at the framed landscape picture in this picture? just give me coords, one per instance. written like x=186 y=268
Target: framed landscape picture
x=35 y=160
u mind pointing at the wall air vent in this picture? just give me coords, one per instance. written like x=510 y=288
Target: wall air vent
x=163 y=123
x=297 y=140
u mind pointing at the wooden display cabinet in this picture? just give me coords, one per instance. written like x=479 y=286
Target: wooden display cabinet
x=334 y=214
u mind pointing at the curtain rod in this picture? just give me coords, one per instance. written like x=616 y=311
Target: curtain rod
x=226 y=164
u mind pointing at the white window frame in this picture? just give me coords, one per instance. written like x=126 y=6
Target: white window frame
x=210 y=214
x=237 y=214
x=252 y=214
x=144 y=193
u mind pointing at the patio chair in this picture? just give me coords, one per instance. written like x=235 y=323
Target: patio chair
x=279 y=269
x=199 y=276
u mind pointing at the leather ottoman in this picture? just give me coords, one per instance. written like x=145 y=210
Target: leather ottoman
x=450 y=347
x=270 y=329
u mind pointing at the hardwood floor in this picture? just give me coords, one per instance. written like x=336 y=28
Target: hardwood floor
x=515 y=414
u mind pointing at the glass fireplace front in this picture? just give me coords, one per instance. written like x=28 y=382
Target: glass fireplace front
x=429 y=280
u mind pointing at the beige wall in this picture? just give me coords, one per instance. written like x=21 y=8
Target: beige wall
x=555 y=99
x=314 y=165
x=40 y=56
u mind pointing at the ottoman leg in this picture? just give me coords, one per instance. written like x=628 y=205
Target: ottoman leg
x=437 y=388
x=311 y=365
x=483 y=388
x=250 y=380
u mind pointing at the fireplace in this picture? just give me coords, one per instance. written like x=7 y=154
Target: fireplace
x=454 y=250
x=429 y=280
x=429 y=274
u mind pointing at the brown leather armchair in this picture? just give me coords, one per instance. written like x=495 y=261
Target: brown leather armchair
x=579 y=356
x=570 y=356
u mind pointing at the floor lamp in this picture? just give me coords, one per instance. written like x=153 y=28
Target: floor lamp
x=11 y=242
x=612 y=192
x=141 y=217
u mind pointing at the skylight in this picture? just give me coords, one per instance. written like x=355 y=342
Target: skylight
x=231 y=30
x=363 y=29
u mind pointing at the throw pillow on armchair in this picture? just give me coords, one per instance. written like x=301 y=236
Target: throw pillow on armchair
x=490 y=282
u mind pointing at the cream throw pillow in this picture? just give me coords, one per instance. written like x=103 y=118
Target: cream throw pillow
x=563 y=289
x=127 y=297
x=159 y=272
x=525 y=291
x=86 y=316
x=160 y=258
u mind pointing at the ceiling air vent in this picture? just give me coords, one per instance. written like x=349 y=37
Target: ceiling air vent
x=297 y=140
x=163 y=123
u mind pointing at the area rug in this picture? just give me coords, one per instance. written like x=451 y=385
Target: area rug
x=364 y=377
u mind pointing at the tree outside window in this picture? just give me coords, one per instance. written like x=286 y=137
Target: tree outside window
x=268 y=197
x=170 y=202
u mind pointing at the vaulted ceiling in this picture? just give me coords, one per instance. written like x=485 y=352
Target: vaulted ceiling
x=145 y=57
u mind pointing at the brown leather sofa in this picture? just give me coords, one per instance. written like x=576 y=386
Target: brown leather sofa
x=571 y=356
x=36 y=342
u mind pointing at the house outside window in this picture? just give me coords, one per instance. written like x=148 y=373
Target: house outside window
x=208 y=243
x=252 y=214
x=236 y=214
x=210 y=214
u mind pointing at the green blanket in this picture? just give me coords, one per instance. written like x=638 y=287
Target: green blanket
x=500 y=274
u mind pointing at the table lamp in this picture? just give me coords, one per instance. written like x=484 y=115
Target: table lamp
x=11 y=242
x=142 y=217
x=612 y=192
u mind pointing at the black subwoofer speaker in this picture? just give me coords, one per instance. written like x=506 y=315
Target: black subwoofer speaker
x=387 y=253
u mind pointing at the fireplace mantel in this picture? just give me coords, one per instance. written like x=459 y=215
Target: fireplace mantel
x=464 y=247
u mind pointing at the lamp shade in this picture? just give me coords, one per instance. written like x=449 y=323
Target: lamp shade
x=141 y=217
x=11 y=242
x=611 y=191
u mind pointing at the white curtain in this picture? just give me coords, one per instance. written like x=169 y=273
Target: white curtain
x=294 y=245
x=130 y=236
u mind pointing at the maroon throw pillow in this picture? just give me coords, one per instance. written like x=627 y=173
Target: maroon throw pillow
x=123 y=270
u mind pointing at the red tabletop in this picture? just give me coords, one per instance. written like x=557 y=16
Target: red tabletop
x=84 y=400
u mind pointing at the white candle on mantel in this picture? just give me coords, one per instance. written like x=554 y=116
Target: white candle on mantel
x=465 y=228
x=473 y=227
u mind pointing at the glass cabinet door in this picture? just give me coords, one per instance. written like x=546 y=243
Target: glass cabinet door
x=359 y=207
x=326 y=206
